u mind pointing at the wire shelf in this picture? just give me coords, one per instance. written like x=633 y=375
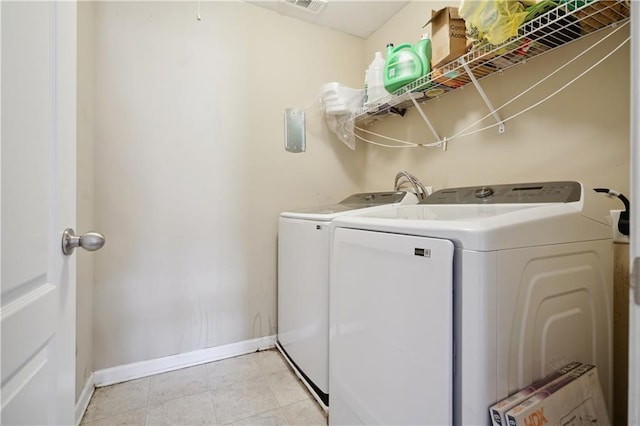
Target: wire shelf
x=570 y=21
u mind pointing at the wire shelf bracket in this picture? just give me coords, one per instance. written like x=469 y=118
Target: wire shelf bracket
x=483 y=95
x=425 y=118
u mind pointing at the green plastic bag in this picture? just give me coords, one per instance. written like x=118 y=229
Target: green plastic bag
x=493 y=21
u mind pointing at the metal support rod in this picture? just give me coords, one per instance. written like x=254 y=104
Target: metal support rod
x=633 y=410
x=483 y=95
x=634 y=166
x=423 y=115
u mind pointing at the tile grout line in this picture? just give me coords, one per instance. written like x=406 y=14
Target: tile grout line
x=210 y=392
x=274 y=394
x=105 y=416
x=290 y=373
x=264 y=377
x=146 y=410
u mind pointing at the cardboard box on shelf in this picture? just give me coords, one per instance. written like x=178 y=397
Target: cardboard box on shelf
x=448 y=36
x=449 y=79
x=576 y=399
x=601 y=13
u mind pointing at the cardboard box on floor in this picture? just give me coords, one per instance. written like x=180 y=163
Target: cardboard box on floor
x=448 y=36
x=576 y=399
x=499 y=410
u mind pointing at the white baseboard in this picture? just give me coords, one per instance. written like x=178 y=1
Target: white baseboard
x=85 y=397
x=136 y=370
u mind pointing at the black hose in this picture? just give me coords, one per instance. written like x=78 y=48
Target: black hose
x=623 y=221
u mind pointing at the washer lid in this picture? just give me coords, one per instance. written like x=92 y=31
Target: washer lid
x=486 y=226
x=364 y=200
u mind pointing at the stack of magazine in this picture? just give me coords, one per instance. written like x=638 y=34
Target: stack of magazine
x=569 y=396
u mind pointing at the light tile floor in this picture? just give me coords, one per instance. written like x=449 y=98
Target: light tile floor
x=253 y=389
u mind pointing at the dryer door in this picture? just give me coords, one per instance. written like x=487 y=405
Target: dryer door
x=390 y=329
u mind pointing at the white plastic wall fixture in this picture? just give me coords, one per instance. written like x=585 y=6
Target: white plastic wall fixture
x=618 y=237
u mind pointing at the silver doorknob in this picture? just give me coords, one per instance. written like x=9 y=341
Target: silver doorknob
x=91 y=241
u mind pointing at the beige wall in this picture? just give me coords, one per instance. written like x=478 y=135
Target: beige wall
x=85 y=193
x=190 y=169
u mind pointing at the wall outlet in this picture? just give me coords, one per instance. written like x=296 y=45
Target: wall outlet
x=617 y=236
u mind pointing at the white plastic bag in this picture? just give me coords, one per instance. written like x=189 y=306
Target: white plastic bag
x=339 y=104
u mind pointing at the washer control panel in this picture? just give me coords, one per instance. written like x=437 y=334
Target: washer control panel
x=536 y=192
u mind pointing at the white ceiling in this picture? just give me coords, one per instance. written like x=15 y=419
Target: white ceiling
x=359 y=18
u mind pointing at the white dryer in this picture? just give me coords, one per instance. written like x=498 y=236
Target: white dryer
x=304 y=244
x=440 y=309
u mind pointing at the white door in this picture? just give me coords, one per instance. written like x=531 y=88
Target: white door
x=38 y=202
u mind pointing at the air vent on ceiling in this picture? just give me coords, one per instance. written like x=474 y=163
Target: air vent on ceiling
x=313 y=6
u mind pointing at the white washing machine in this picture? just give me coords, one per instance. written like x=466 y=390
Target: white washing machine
x=440 y=309
x=304 y=245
